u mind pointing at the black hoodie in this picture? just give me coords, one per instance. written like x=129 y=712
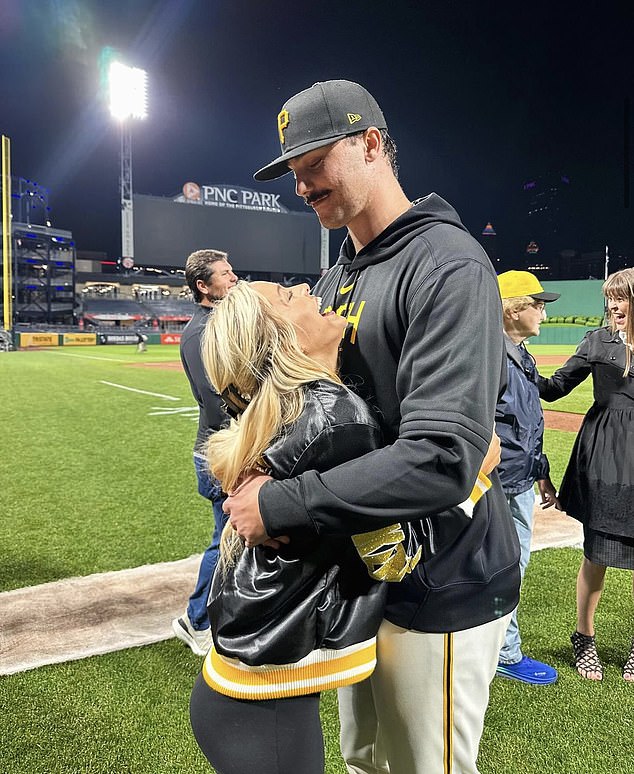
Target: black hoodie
x=424 y=347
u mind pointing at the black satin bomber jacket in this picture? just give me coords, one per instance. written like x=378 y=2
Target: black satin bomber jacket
x=267 y=609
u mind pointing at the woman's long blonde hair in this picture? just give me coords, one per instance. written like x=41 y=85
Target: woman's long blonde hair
x=618 y=287
x=249 y=347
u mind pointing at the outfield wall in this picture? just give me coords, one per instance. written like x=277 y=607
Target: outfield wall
x=560 y=334
x=550 y=334
x=42 y=339
x=578 y=297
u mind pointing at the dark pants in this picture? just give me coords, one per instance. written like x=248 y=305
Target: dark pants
x=277 y=736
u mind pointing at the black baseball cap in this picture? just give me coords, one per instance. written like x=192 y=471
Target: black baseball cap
x=318 y=116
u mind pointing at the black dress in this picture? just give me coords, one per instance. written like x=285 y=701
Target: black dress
x=598 y=486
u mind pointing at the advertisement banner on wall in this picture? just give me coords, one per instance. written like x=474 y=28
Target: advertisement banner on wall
x=39 y=340
x=117 y=338
x=170 y=338
x=79 y=339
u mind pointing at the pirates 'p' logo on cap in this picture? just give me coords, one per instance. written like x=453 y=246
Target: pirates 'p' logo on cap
x=282 y=122
x=353 y=118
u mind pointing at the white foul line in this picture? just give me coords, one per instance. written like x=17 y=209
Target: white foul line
x=143 y=392
x=87 y=357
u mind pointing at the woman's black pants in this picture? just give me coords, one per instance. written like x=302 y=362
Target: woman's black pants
x=275 y=736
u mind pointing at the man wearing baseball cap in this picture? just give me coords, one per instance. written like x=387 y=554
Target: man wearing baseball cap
x=519 y=422
x=424 y=347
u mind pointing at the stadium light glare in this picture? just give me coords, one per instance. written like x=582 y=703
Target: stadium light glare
x=128 y=91
x=127 y=87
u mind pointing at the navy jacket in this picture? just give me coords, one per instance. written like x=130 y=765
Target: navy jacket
x=519 y=422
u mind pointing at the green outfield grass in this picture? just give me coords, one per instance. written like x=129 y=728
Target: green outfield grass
x=95 y=478
x=127 y=712
x=550 y=349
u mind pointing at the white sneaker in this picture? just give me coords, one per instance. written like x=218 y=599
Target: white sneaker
x=198 y=641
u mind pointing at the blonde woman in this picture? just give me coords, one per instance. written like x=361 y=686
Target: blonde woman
x=598 y=486
x=299 y=615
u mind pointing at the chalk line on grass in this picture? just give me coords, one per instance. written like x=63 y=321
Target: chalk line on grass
x=134 y=389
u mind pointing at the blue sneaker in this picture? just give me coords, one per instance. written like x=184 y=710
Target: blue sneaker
x=528 y=671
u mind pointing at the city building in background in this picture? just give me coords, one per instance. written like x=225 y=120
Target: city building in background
x=488 y=240
x=547 y=224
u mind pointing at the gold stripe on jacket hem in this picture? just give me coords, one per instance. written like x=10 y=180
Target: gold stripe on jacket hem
x=321 y=670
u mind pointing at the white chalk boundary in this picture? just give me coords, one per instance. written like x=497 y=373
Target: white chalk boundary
x=87 y=616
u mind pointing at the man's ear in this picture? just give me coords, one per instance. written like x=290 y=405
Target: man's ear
x=202 y=287
x=373 y=143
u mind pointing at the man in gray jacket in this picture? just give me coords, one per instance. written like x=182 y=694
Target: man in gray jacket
x=210 y=277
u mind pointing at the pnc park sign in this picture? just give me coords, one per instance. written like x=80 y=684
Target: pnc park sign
x=231 y=196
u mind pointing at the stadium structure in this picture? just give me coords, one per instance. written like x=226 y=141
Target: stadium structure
x=54 y=284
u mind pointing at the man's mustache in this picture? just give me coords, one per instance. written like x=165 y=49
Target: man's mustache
x=308 y=200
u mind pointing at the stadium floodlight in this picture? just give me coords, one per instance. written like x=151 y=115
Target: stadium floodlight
x=128 y=99
x=128 y=91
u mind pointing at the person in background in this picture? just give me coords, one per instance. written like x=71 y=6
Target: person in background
x=519 y=423
x=141 y=339
x=210 y=277
x=424 y=348
x=598 y=486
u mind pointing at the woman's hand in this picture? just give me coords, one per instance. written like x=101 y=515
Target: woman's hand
x=493 y=455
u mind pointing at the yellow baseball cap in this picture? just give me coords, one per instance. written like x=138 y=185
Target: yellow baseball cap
x=523 y=283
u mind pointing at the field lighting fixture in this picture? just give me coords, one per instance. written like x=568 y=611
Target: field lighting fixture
x=128 y=91
x=127 y=88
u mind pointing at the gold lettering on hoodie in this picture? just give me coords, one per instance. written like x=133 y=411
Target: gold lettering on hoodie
x=348 y=311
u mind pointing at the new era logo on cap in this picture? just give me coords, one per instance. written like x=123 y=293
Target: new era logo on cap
x=318 y=116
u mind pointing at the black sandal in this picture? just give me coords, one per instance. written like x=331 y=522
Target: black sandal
x=586 y=657
x=628 y=669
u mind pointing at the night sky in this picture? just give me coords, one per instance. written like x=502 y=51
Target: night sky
x=480 y=97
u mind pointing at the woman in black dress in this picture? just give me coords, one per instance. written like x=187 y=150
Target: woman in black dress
x=598 y=486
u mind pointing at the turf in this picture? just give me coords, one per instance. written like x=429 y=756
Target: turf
x=574 y=725
x=127 y=712
x=97 y=480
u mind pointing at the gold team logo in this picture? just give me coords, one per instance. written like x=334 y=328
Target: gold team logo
x=353 y=118
x=282 y=122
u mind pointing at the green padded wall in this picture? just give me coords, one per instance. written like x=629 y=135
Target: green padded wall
x=582 y=297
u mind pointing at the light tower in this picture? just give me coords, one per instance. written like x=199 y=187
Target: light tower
x=128 y=100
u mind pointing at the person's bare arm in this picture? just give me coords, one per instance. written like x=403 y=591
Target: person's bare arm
x=493 y=455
